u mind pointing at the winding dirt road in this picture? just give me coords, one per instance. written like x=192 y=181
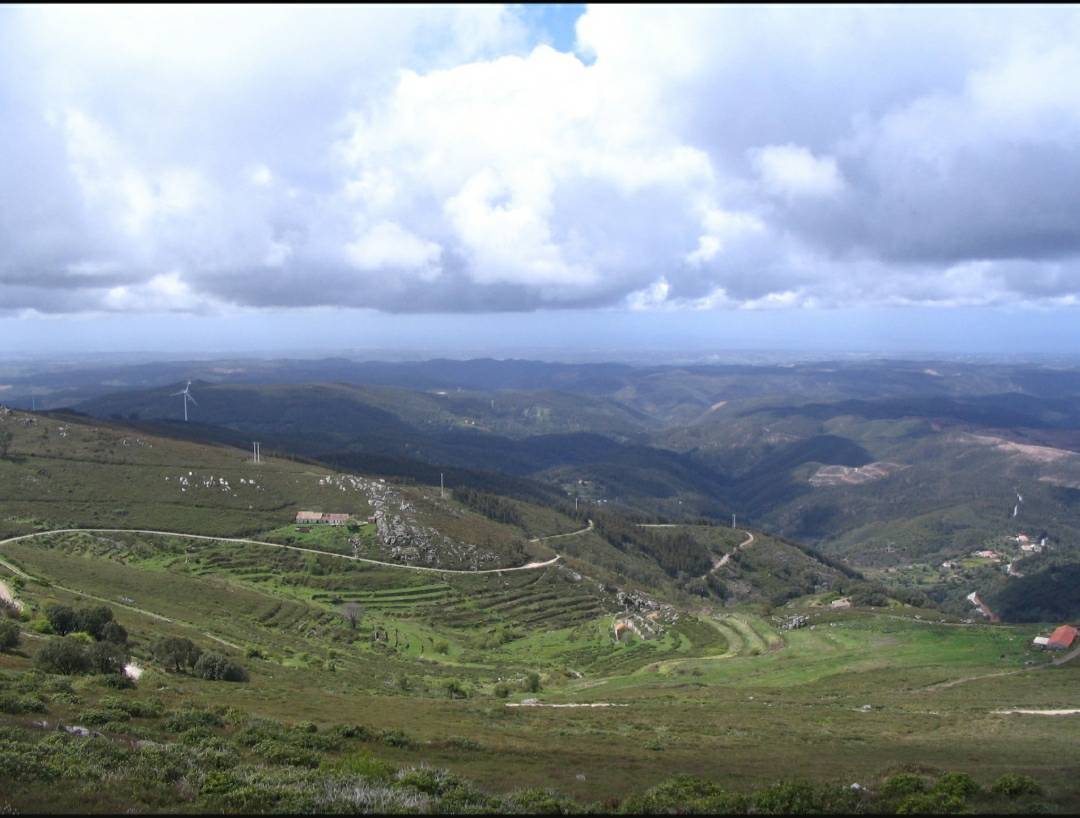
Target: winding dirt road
x=531 y=566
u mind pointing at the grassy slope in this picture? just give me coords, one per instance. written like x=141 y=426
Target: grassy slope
x=726 y=695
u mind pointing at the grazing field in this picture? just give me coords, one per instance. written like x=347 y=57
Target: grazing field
x=393 y=667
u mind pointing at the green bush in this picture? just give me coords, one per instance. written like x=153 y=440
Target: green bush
x=903 y=784
x=365 y=765
x=958 y=785
x=148 y=709
x=800 y=798
x=42 y=626
x=1015 y=785
x=685 y=794
x=17 y=705
x=455 y=689
x=531 y=683
x=538 y=801
x=98 y=716
x=278 y=752
x=66 y=656
x=930 y=803
x=180 y=720
x=396 y=738
x=353 y=731
x=9 y=635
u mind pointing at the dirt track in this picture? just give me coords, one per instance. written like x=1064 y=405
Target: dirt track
x=527 y=567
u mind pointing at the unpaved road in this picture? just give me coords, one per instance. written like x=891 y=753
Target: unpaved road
x=727 y=557
x=532 y=566
x=584 y=530
x=1073 y=712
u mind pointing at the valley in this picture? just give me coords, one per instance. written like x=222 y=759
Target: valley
x=644 y=666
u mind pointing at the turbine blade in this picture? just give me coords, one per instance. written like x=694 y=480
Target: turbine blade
x=190 y=398
x=174 y=394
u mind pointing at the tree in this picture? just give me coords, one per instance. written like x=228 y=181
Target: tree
x=5 y=443
x=216 y=667
x=64 y=655
x=352 y=613
x=176 y=653
x=532 y=683
x=107 y=657
x=93 y=620
x=62 y=619
x=9 y=635
x=114 y=632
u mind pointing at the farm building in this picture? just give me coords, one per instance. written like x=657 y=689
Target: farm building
x=1040 y=641
x=1062 y=638
x=318 y=518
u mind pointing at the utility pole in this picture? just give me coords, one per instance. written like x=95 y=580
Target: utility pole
x=442 y=493
x=575 y=503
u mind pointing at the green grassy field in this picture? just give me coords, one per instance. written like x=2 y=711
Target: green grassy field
x=724 y=692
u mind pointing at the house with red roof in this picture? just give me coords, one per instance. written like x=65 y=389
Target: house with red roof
x=1062 y=638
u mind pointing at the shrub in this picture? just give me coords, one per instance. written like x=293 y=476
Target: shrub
x=903 y=784
x=278 y=752
x=1014 y=785
x=16 y=705
x=538 y=801
x=931 y=803
x=958 y=785
x=353 y=731
x=148 y=709
x=216 y=667
x=66 y=656
x=42 y=626
x=181 y=720
x=685 y=794
x=98 y=716
x=455 y=690
x=9 y=635
x=395 y=738
x=365 y=765
x=502 y=690
x=531 y=683
x=800 y=798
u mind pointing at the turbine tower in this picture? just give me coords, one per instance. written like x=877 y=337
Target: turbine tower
x=186 y=392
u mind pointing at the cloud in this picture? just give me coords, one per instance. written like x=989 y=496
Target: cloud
x=792 y=171
x=439 y=159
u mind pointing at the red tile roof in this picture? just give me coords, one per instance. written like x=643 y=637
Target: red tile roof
x=1064 y=636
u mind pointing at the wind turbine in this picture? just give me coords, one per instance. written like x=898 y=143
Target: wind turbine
x=186 y=392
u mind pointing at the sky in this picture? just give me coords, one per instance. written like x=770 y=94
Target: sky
x=485 y=176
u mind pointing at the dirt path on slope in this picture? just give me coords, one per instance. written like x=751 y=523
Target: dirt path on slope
x=532 y=566
x=584 y=530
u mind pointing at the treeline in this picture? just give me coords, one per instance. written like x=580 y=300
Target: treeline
x=491 y=506
x=1049 y=595
x=677 y=554
x=92 y=641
